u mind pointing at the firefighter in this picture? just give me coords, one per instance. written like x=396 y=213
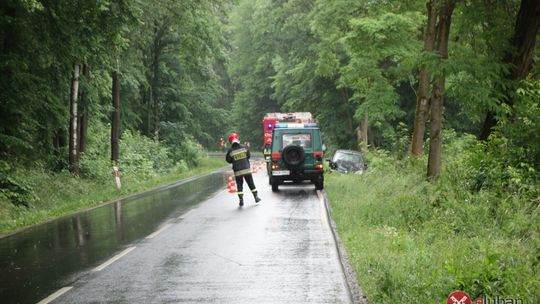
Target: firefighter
x=222 y=144
x=238 y=156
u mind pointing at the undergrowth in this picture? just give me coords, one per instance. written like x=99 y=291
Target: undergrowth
x=413 y=241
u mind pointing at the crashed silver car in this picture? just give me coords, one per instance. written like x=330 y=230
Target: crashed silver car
x=347 y=161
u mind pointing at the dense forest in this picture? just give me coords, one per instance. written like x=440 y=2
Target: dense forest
x=184 y=73
x=381 y=69
x=150 y=86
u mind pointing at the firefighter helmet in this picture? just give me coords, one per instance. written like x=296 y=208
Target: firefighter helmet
x=234 y=138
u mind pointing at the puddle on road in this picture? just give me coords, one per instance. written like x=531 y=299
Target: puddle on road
x=35 y=262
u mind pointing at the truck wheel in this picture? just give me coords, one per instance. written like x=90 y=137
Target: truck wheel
x=319 y=182
x=274 y=182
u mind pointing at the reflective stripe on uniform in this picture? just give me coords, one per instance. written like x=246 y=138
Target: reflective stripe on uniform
x=242 y=172
x=254 y=190
x=238 y=151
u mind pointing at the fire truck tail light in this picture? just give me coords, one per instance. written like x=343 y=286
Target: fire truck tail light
x=318 y=166
x=275 y=167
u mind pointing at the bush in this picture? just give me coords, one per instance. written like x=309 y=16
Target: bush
x=17 y=191
x=143 y=157
x=509 y=161
x=95 y=162
x=140 y=156
x=416 y=241
x=181 y=146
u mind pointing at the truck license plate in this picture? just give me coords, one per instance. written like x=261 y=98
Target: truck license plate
x=281 y=172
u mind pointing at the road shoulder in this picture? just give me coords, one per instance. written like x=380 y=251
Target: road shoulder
x=356 y=293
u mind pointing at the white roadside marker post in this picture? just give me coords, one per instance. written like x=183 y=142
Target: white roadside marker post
x=117 y=177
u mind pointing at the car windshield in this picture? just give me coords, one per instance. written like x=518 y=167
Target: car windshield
x=303 y=140
x=348 y=157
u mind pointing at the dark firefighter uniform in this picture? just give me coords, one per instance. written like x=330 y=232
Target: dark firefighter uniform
x=238 y=156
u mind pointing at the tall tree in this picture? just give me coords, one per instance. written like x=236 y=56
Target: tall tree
x=519 y=56
x=83 y=113
x=73 y=122
x=437 y=99
x=422 y=103
x=115 y=119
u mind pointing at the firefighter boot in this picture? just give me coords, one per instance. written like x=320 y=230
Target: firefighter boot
x=241 y=199
x=257 y=198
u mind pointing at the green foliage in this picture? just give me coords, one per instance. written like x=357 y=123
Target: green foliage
x=95 y=162
x=523 y=126
x=142 y=156
x=17 y=191
x=43 y=40
x=511 y=158
x=412 y=240
x=402 y=141
x=182 y=147
x=253 y=25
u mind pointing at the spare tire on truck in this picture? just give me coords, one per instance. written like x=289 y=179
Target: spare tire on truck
x=293 y=156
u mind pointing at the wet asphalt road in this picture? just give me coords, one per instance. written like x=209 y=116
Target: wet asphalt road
x=278 y=251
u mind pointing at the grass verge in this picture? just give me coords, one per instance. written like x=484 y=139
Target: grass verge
x=60 y=194
x=415 y=242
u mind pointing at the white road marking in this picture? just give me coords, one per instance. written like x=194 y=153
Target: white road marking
x=113 y=259
x=55 y=295
x=183 y=216
x=159 y=231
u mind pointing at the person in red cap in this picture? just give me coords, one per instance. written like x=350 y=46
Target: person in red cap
x=238 y=156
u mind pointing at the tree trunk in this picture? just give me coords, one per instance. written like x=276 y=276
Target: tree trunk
x=437 y=99
x=83 y=131
x=422 y=104
x=115 y=119
x=154 y=106
x=365 y=128
x=59 y=141
x=155 y=80
x=362 y=133
x=520 y=60
x=149 y=112
x=83 y=115
x=74 y=115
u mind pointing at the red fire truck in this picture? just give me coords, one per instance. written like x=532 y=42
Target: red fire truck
x=271 y=119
